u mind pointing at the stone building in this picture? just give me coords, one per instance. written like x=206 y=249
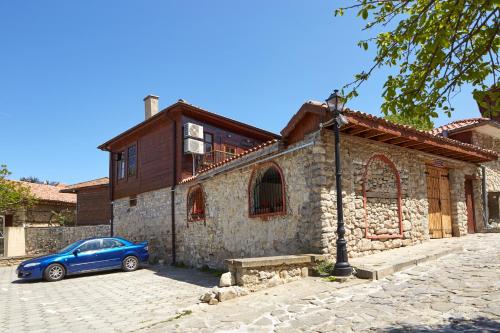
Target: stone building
x=50 y=208
x=400 y=187
x=49 y=202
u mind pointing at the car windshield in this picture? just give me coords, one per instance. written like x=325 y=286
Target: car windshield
x=70 y=247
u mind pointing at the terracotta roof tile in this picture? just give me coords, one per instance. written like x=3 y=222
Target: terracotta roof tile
x=226 y=161
x=90 y=183
x=49 y=192
x=458 y=124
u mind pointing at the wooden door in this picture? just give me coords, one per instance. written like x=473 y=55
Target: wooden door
x=435 y=225
x=469 y=200
x=438 y=194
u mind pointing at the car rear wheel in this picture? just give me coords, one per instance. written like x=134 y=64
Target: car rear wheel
x=130 y=264
x=54 y=272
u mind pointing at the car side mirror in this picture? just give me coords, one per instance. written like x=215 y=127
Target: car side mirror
x=75 y=252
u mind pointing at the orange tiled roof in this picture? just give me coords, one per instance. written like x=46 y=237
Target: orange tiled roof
x=458 y=124
x=221 y=163
x=49 y=192
x=90 y=183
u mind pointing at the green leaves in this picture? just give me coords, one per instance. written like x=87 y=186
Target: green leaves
x=438 y=45
x=13 y=195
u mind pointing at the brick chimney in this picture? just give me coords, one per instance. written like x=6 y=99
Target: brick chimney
x=150 y=106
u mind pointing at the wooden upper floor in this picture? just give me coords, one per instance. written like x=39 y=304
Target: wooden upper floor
x=151 y=156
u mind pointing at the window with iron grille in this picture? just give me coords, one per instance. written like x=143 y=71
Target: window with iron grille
x=267 y=192
x=196 y=204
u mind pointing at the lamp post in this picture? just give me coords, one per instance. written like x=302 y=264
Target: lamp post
x=335 y=104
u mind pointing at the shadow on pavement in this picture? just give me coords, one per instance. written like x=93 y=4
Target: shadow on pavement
x=187 y=275
x=480 y=324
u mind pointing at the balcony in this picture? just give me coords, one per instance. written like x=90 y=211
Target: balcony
x=213 y=157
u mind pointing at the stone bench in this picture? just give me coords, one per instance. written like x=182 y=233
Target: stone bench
x=264 y=272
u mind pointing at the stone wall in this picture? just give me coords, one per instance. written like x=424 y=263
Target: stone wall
x=149 y=220
x=42 y=214
x=492 y=168
x=227 y=230
x=41 y=240
x=387 y=195
x=381 y=203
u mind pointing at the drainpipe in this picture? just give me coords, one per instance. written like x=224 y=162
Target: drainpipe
x=172 y=195
x=110 y=185
x=485 y=197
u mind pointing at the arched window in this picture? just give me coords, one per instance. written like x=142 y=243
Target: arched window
x=267 y=192
x=196 y=204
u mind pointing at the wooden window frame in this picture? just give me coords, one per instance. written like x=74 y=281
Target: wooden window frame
x=118 y=163
x=189 y=207
x=127 y=166
x=250 y=191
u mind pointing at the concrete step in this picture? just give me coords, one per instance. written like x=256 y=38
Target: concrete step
x=380 y=265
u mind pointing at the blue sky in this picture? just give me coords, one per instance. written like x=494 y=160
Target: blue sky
x=73 y=73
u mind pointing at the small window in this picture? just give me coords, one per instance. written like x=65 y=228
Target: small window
x=196 y=204
x=208 y=138
x=132 y=161
x=132 y=201
x=267 y=192
x=109 y=243
x=493 y=206
x=92 y=245
x=120 y=165
x=9 y=220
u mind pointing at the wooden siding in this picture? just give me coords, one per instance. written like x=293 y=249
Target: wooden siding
x=154 y=160
x=93 y=206
x=155 y=151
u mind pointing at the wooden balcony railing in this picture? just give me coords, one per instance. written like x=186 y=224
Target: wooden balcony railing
x=213 y=157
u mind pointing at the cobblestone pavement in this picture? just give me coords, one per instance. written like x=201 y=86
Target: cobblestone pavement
x=457 y=293
x=105 y=302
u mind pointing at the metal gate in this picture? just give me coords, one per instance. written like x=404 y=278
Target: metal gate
x=2 y=236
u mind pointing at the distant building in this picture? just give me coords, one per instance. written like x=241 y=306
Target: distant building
x=93 y=205
x=49 y=202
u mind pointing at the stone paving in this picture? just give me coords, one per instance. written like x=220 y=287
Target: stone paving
x=456 y=293
x=104 y=302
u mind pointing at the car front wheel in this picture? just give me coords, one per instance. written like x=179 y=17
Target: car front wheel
x=54 y=272
x=130 y=264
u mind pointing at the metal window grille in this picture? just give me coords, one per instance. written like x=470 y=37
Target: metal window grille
x=268 y=193
x=196 y=204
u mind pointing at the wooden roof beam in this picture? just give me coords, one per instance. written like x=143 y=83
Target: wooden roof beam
x=358 y=131
x=385 y=138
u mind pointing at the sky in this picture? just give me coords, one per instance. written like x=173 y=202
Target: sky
x=73 y=74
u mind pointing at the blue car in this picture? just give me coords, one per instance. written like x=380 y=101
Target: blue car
x=88 y=255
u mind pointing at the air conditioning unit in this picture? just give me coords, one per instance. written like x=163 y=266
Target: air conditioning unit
x=193 y=131
x=192 y=146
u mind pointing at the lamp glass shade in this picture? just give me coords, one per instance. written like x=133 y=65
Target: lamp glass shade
x=335 y=102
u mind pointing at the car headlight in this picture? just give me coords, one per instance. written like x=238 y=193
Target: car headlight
x=33 y=264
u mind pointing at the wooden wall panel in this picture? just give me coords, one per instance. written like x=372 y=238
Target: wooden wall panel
x=93 y=206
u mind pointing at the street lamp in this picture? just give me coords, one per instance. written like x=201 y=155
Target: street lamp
x=335 y=105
